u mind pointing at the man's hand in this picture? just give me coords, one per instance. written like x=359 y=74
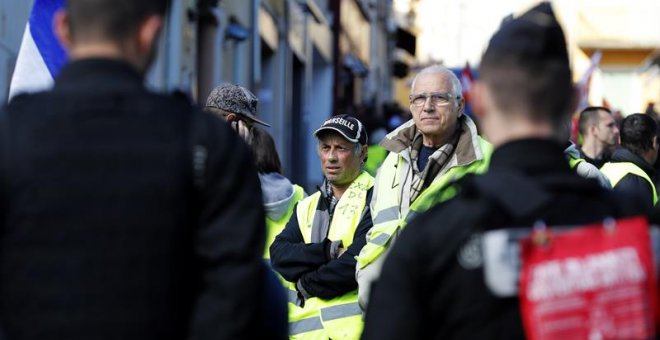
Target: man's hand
x=336 y=249
x=243 y=130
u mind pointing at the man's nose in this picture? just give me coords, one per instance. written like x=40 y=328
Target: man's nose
x=332 y=156
x=428 y=104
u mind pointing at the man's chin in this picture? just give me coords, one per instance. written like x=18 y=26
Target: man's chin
x=336 y=181
x=431 y=127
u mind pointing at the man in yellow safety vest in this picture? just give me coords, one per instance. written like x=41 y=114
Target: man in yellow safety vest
x=316 y=250
x=439 y=145
x=630 y=170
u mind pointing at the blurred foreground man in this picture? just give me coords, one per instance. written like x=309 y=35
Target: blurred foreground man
x=126 y=214
x=438 y=281
x=316 y=250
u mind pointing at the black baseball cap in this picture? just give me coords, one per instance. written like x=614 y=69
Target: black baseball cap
x=348 y=126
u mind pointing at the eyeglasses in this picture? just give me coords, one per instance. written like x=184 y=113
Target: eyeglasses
x=437 y=98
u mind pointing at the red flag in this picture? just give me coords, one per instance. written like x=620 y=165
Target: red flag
x=466 y=81
x=575 y=130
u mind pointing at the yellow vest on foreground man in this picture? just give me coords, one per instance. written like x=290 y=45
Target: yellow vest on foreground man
x=316 y=250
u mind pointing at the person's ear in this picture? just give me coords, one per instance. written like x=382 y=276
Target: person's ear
x=149 y=32
x=62 y=29
x=364 y=152
x=461 y=107
x=230 y=117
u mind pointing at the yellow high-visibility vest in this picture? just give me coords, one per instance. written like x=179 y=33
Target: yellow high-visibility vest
x=275 y=227
x=387 y=216
x=376 y=157
x=340 y=317
x=616 y=171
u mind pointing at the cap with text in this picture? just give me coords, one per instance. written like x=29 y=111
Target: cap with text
x=348 y=126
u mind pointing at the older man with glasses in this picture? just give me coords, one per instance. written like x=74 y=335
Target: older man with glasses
x=426 y=154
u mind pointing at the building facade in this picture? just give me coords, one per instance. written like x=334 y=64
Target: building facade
x=305 y=59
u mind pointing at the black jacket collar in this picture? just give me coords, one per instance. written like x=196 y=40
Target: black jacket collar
x=625 y=155
x=524 y=173
x=96 y=74
x=603 y=158
x=530 y=156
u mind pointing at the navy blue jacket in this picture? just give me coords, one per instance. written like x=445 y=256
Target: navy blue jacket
x=632 y=186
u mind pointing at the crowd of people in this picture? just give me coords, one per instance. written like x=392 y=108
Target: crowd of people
x=128 y=214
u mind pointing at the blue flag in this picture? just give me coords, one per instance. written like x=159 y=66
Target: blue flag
x=41 y=55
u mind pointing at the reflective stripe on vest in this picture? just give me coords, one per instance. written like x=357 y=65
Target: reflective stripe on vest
x=305 y=325
x=327 y=316
x=387 y=194
x=274 y=228
x=340 y=317
x=616 y=171
x=380 y=239
x=387 y=214
x=340 y=311
x=440 y=190
x=292 y=295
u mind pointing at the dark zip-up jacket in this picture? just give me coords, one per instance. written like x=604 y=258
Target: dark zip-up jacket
x=433 y=284
x=631 y=185
x=104 y=234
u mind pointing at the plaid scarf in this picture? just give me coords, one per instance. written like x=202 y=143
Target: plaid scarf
x=422 y=179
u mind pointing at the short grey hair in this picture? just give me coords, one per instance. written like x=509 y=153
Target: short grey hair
x=439 y=69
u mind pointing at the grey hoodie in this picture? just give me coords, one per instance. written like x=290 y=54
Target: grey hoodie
x=586 y=169
x=277 y=193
